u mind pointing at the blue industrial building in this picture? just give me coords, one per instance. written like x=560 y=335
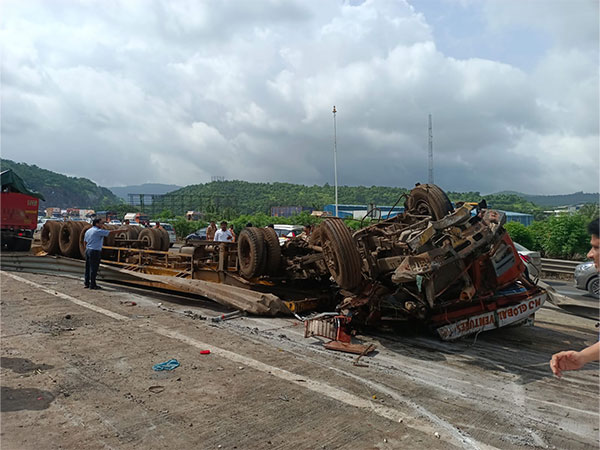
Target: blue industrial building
x=347 y=212
x=288 y=211
x=525 y=219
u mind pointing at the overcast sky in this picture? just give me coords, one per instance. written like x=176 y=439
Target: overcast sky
x=176 y=91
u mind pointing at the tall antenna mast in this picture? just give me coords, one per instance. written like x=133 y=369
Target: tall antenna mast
x=335 y=161
x=430 y=151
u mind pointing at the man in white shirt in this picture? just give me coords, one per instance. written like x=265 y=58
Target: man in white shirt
x=223 y=235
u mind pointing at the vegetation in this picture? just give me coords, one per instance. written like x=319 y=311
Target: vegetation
x=241 y=197
x=563 y=236
x=60 y=190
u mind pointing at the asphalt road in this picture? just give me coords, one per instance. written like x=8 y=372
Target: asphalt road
x=579 y=302
x=568 y=288
x=77 y=373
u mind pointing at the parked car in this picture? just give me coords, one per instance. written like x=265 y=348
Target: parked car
x=114 y=222
x=285 y=232
x=532 y=260
x=171 y=231
x=587 y=278
x=198 y=235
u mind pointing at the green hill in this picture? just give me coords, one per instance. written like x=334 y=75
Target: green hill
x=60 y=190
x=248 y=198
x=243 y=197
x=577 y=198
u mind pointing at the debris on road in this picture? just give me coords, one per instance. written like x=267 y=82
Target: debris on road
x=228 y=316
x=357 y=349
x=167 y=365
x=193 y=315
x=156 y=389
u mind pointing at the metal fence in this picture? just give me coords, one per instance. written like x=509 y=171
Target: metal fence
x=559 y=265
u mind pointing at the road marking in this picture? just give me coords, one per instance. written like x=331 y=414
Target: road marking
x=324 y=389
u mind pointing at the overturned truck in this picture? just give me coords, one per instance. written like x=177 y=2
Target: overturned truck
x=455 y=270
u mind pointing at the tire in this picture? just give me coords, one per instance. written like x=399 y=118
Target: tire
x=272 y=250
x=251 y=249
x=151 y=239
x=593 y=286
x=109 y=241
x=68 y=240
x=341 y=254
x=164 y=236
x=50 y=236
x=84 y=228
x=22 y=245
x=428 y=200
x=133 y=231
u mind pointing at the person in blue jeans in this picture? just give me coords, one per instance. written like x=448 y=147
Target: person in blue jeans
x=93 y=240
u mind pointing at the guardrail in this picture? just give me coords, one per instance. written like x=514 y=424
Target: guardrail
x=559 y=265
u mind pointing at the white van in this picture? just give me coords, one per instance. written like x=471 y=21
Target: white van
x=285 y=232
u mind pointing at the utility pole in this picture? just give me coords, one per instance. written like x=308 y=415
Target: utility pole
x=335 y=160
x=430 y=151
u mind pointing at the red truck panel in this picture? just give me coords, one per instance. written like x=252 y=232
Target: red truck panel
x=18 y=211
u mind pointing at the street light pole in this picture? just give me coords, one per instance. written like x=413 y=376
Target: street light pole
x=335 y=161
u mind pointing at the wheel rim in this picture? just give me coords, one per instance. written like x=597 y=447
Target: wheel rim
x=595 y=287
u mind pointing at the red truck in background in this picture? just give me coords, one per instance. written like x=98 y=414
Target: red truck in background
x=19 y=213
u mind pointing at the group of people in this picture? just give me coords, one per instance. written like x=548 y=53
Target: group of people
x=560 y=362
x=223 y=234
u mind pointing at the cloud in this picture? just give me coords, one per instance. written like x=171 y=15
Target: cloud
x=127 y=92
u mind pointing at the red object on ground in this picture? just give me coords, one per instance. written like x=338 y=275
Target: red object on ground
x=205 y=352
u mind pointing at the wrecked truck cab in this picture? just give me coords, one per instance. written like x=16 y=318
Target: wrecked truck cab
x=433 y=264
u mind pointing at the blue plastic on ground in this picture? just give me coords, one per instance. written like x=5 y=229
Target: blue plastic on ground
x=167 y=365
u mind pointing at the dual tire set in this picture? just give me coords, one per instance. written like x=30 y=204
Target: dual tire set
x=66 y=238
x=259 y=252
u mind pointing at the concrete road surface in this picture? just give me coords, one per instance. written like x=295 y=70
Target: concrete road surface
x=76 y=372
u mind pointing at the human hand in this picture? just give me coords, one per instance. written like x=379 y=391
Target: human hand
x=567 y=360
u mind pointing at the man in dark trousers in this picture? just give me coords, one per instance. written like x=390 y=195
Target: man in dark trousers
x=93 y=240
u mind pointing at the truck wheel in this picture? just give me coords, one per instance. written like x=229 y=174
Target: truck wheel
x=428 y=200
x=164 y=236
x=50 y=236
x=273 y=251
x=151 y=239
x=22 y=245
x=8 y=242
x=68 y=240
x=251 y=252
x=593 y=286
x=340 y=254
x=84 y=228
